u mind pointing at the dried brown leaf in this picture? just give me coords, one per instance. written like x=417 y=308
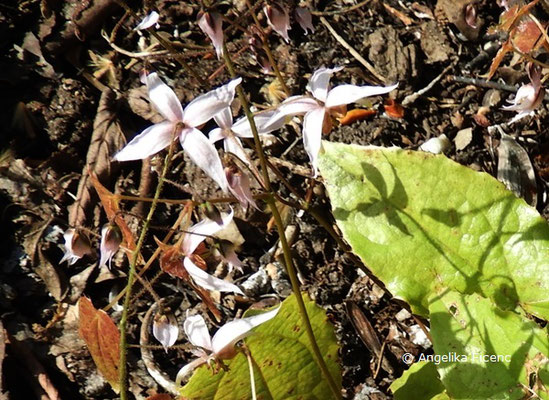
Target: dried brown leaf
x=102 y=338
x=107 y=138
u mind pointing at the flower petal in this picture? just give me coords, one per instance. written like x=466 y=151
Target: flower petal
x=312 y=134
x=166 y=330
x=204 y=154
x=111 y=237
x=207 y=281
x=204 y=107
x=232 y=144
x=292 y=106
x=262 y=121
x=150 y=141
x=212 y=25
x=347 y=94
x=197 y=233
x=148 y=21
x=196 y=330
x=216 y=135
x=164 y=98
x=233 y=331
x=279 y=20
x=304 y=19
x=224 y=118
x=320 y=81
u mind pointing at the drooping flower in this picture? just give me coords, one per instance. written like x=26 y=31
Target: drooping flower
x=195 y=235
x=165 y=329
x=324 y=104
x=111 y=238
x=304 y=19
x=278 y=19
x=212 y=25
x=148 y=21
x=182 y=123
x=239 y=186
x=222 y=345
x=530 y=96
x=77 y=245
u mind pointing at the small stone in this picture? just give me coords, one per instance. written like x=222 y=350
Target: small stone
x=463 y=138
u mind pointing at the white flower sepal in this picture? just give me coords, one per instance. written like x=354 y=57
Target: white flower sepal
x=222 y=345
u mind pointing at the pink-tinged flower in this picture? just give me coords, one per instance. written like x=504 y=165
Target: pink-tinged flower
x=530 y=96
x=239 y=186
x=324 y=104
x=182 y=123
x=279 y=20
x=111 y=237
x=148 y=21
x=195 y=235
x=231 y=133
x=304 y=19
x=211 y=24
x=165 y=329
x=77 y=245
x=222 y=345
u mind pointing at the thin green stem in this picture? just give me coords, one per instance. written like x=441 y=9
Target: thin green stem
x=131 y=278
x=290 y=268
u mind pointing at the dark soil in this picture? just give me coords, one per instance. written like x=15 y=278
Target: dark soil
x=52 y=106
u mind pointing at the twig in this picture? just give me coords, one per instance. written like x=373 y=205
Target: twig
x=355 y=53
x=483 y=83
x=342 y=11
x=414 y=96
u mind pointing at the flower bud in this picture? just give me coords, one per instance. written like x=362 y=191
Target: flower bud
x=239 y=186
x=212 y=25
x=304 y=19
x=165 y=329
x=279 y=19
x=111 y=238
x=77 y=244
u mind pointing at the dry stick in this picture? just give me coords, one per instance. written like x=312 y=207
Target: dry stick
x=167 y=45
x=414 y=96
x=290 y=268
x=355 y=53
x=131 y=278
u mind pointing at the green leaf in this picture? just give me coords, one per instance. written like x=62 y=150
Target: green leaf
x=284 y=364
x=420 y=381
x=423 y=224
x=492 y=354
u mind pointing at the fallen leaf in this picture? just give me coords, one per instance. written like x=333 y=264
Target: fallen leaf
x=102 y=338
x=357 y=114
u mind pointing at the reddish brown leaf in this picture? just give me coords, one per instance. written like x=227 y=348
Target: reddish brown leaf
x=110 y=205
x=507 y=47
x=356 y=114
x=103 y=340
x=525 y=36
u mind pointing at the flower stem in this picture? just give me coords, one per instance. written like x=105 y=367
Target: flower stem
x=122 y=371
x=290 y=268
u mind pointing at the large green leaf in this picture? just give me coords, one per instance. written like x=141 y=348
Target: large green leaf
x=423 y=223
x=420 y=381
x=284 y=365
x=491 y=354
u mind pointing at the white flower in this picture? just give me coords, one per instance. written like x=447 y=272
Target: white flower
x=530 y=96
x=212 y=25
x=148 y=21
x=182 y=123
x=77 y=245
x=319 y=108
x=111 y=237
x=196 y=234
x=221 y=345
